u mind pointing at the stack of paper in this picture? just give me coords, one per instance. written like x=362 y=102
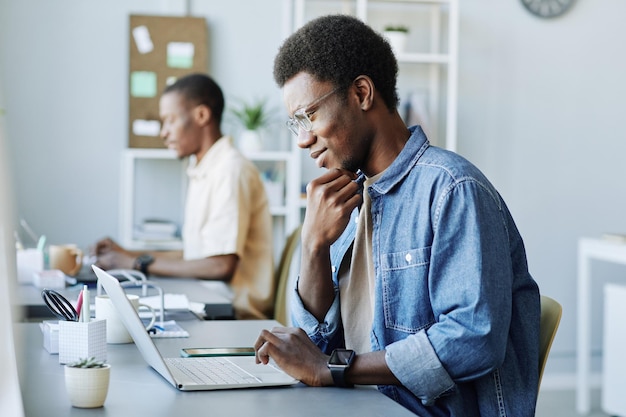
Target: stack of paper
x=168 y=329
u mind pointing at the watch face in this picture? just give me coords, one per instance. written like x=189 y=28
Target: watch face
x=547 y=8
x=341 y=357
x=145 y=258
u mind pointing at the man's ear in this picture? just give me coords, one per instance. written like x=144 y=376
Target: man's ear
x=202 y=114
x=365 y=90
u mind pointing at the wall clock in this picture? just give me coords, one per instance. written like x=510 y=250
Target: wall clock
x=547 y=8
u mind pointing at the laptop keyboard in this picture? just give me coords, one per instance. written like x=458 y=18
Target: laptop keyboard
x=212 y=370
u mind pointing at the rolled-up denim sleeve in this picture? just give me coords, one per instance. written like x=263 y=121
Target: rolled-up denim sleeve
x=416 y=365
x=324 y=334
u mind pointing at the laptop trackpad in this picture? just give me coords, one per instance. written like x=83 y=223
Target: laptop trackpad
x=266 y=373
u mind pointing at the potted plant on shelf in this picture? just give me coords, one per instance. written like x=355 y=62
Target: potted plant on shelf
x=87 y=382
x=253 y=116
x=397 y=36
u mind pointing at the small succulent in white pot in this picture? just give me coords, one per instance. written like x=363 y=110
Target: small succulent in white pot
x=87 y=382
x=397 y=37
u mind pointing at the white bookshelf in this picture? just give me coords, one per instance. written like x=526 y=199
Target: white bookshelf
x=154 y=183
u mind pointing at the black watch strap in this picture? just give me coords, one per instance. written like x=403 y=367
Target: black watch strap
x=142 y=262
x=339 y=377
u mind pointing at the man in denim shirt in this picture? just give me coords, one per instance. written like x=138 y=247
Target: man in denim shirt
x=410 y=257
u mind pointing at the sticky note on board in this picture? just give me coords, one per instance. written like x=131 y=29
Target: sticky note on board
x=144 y=44
x=146 y=127
x=180 y=54
x=143 y=84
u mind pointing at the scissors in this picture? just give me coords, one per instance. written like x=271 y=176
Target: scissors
x=59 y=305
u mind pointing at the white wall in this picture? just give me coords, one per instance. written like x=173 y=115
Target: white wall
x=539 y=104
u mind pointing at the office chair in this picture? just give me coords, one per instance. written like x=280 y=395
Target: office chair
x=282 y=275
x=551 y=312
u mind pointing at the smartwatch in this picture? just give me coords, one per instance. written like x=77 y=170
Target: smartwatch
x=339 y=361
x=142 y=262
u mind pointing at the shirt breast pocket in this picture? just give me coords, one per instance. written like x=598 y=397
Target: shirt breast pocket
x=405 y=290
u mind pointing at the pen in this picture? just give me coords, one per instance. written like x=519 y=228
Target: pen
x=28 y=229
x=86 y=316
x=18 y=242
x=41 y=243
x=79 y=306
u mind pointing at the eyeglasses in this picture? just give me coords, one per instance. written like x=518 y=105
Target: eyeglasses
x=301 y=117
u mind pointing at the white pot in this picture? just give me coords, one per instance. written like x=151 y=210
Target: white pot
x=87 y=387
x=250 y=141
x=397 y=40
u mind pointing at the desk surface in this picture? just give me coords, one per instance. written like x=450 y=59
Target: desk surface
x=137 y=390
x=217 y=306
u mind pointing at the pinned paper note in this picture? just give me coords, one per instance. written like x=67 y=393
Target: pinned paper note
x=141 y=34
x=170 y=80
x=146 y=127
x=180 y=54
x=143 y=84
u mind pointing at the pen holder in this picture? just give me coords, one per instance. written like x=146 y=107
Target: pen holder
x=81 y=340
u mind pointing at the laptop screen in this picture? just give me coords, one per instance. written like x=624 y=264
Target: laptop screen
x=133 y=323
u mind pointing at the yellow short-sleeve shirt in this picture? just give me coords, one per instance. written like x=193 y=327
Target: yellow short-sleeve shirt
x=226 y=213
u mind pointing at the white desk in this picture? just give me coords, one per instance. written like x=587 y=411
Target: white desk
x=136 y=389
x=588 y=249
x=216 y=306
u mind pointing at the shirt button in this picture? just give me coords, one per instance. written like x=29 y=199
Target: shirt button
x=408 y=257
x=333 y=268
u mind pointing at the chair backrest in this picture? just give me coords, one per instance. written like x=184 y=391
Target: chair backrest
x=551 y=312
x=282 y=276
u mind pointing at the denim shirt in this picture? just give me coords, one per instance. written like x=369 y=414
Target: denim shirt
x=455 y=307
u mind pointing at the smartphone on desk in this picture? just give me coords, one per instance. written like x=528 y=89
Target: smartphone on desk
x=217 y=351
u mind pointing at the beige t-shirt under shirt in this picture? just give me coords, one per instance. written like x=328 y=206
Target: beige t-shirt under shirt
x=356 y=285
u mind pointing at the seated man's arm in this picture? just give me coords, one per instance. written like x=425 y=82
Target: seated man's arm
x=219 y=267
x=110 y=255
x=295 y=353
x=331 y=200
x=334 y=195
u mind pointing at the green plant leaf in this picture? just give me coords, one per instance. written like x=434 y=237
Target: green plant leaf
x=396 y=28
x=90 y=362
x=252 y=115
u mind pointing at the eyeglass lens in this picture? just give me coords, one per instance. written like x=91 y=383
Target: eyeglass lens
x=300 y=119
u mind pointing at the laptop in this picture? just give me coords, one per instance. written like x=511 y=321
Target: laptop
x=196 y=373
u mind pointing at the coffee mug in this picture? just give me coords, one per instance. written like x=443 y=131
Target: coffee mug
x=67 y=258
x=116 y=330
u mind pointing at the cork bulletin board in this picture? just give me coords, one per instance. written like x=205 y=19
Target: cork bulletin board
x=162 y=48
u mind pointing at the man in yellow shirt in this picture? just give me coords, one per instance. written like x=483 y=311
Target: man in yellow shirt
x=227 y=233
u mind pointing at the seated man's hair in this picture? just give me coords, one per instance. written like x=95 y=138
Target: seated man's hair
x=200 y=89
x=339 y=48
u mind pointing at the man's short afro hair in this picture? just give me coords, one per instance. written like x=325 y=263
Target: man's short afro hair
x=339 y=48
